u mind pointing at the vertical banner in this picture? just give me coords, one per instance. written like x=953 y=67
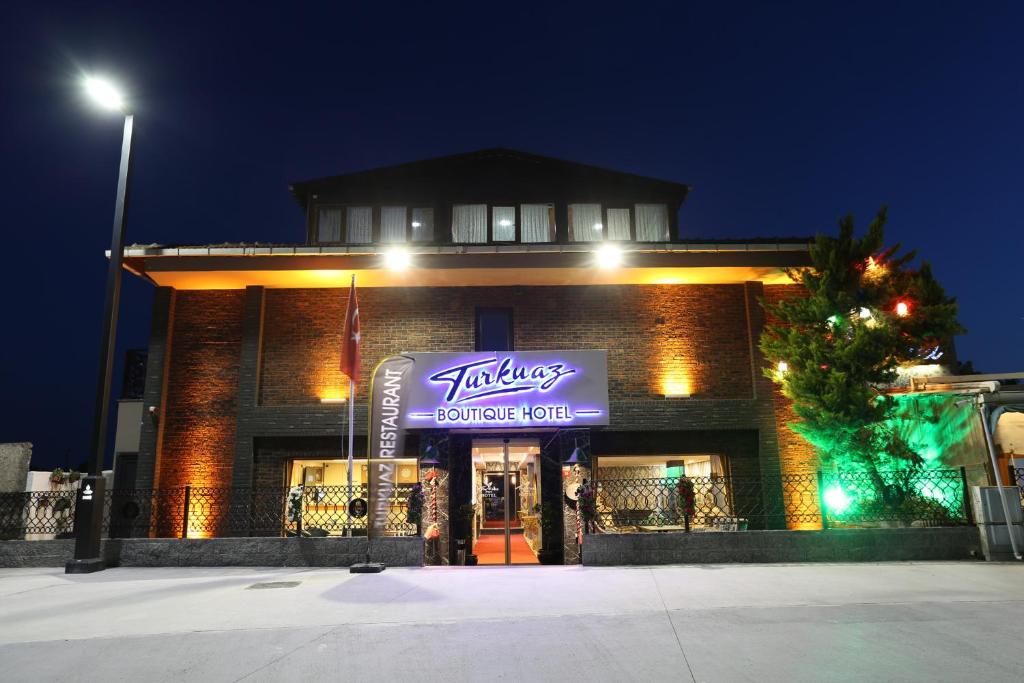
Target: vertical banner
x=388 y=399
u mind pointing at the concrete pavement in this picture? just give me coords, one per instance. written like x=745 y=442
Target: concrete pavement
x=814 y=622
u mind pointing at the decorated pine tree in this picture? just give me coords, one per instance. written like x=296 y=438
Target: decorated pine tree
x=835 y=351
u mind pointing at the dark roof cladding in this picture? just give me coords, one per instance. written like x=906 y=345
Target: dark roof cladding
x=456 y=172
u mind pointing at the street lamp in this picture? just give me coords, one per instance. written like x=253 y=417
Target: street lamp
x=89 y=510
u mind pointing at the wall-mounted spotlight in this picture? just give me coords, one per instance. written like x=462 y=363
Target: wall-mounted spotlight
x=397 y=258
x=608 y=256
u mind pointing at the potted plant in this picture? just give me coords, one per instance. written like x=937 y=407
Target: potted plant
x=551 y=545
x=58 y=477
x=687 y=501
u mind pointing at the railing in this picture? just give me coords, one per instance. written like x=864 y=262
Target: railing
x=727 y=503
x=1017 y=479
x=201 y=512
x=32 y=513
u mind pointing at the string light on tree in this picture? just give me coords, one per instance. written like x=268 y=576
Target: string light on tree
x=836 y=364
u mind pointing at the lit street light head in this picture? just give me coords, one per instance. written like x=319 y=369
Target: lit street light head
x=103 y=93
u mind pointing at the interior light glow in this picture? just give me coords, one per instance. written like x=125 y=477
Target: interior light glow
x=609 y=256
x=598 y=226
x=397 y=259
x=504 y=222
x=103 y=93
x=416 y=224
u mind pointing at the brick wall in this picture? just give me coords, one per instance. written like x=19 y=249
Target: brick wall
x=198 y=423
x=796 y=456
x=659 y=338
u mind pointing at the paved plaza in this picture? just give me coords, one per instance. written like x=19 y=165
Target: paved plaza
x=810 y=622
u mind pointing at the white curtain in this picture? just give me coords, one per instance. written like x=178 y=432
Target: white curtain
x=618 y=224
x=329 y=225
x=392 y=224
x=717 y=467
x=422 y=225
x=700 y=468
x=359 y=224
x=585 y=222
x=469 y=223
x=651 y=223
x=538 y=221
x=504 y=222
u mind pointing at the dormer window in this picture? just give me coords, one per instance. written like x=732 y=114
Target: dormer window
x=392 y=224
x=586 y=223
x=469 y=223
x=503 y=220
x=620 y=227
x=537 y=222
x=421 y=222
x=329 y=224
x=652 y=223
x=359 y=224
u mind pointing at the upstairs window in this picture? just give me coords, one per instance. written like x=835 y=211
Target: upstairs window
x=328 y=225
x=359 y=224
x=619 y=227
x=652 y=223
x=392 y=224
x=503 y=221
x=537 y=222
x=585 y=223
x=494 y=329
x=422 y=223
x=469 y=223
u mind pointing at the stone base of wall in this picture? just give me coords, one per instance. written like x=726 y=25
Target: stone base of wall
x=834 y=545
x=221 y=552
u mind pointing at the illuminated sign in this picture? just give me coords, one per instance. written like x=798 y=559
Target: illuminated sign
x=507 y=389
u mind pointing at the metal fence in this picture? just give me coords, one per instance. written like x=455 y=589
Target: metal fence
x=1017 y=479
x=731 y=503
x=201 y=512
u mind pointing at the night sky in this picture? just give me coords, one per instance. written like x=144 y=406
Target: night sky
x=781 y=116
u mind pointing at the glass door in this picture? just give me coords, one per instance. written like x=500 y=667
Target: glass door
x=506 y=484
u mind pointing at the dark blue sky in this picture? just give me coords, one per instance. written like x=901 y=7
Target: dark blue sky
x=782 y=117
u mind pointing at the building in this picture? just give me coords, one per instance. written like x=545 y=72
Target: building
x=501 y=257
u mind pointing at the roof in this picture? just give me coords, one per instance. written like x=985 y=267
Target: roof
x=456 y=170
x=235 y=267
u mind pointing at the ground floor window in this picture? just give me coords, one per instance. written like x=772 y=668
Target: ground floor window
x=325 y=497
x=642 y=492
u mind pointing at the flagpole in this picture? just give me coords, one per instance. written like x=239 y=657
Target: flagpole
x=351 y=440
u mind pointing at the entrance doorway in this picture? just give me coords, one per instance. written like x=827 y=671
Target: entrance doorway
x=506 y=485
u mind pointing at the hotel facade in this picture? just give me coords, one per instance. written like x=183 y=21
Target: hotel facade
x=554 y=335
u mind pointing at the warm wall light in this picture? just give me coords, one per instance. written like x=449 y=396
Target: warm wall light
x=397 y=259
x=680 y=394
x=333 y=399
x=609 y=256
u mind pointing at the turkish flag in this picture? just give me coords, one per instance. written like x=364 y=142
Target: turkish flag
x=350 y=338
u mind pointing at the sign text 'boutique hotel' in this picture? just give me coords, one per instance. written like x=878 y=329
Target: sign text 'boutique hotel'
x=530 y=328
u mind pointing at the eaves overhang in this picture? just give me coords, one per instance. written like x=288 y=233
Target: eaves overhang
x=237 y=267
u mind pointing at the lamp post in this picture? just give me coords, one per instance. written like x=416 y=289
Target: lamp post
x=89 y=510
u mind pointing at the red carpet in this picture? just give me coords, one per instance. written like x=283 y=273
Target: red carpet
x=490 y=549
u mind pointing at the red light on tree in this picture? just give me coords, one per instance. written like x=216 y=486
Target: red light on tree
x=902 y=309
